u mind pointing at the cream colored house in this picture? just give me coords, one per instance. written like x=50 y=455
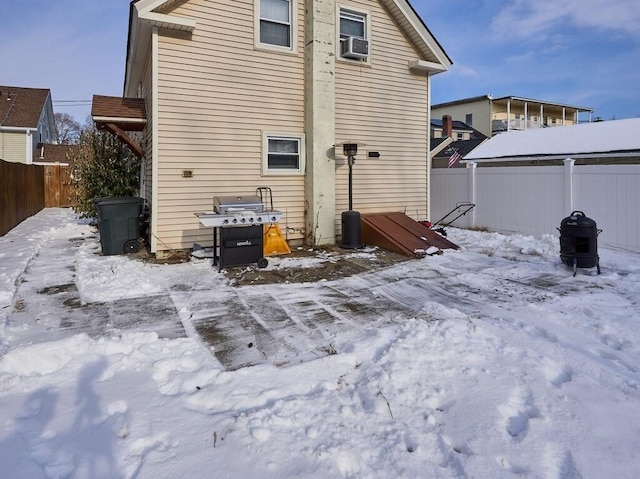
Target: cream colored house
x=491 y=115
x=26 y=121
x=250 y=93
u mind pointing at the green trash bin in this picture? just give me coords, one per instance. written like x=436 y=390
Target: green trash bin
x=120 y=219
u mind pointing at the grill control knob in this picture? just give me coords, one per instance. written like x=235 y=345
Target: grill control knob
x=251 y=219
x=273 y=218
x=235 y=220
x=242 y=220
x=225 y=222
x=259 y=219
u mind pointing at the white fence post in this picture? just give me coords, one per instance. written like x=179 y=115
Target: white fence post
x=569 y=164
x=472 y=192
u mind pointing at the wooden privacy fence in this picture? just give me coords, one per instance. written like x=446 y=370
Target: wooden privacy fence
x=21 y=193
x=58 y=191
x=535 y=199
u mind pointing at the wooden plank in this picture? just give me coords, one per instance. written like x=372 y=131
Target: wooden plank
x=58 y=189
x=397 y=232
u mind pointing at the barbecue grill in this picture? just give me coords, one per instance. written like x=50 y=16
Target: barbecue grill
x=237 y=222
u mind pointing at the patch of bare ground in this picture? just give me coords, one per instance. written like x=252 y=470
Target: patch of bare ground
x=333 y=262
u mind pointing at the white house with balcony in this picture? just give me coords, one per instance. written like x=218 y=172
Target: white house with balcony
x=491 y=115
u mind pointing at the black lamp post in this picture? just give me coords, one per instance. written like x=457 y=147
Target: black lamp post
x=351 y=219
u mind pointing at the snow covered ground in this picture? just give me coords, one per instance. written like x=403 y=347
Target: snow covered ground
x=488 y=362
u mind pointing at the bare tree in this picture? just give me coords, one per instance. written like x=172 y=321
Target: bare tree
x=67 y=129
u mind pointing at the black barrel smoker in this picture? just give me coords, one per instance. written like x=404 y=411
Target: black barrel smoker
x=579 y=242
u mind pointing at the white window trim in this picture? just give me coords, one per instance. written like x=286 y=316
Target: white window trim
x=367 y=15
x=266 y=171
x=276 y=48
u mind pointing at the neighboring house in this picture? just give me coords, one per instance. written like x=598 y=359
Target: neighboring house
x=255 y=93
x=26 y=120
x=48 y=153
x=451 y=154
x=462 y=139
x=456 y=130
x=491 y=115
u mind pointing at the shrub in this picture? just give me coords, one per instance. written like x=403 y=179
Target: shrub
x=102 y=166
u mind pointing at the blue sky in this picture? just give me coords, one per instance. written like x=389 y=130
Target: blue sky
x=579 y=52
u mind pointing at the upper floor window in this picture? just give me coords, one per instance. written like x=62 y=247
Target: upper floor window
x=354 y=32
x=275 y=23
x=468 y=119
x=352 y=24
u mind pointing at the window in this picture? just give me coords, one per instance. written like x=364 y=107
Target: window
x=460 y=136
x=468 y=119
x=275 y=23
x=283 y=154
x=352 y=24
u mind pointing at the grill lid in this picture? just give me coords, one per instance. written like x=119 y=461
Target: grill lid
x=229 y=204
x=577 y=219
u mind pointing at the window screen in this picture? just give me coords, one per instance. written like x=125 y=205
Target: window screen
x=275 y=22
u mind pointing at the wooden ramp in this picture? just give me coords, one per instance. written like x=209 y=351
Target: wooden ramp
x=397 y=232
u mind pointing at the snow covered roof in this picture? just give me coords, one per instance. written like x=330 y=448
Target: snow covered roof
x=607 y=138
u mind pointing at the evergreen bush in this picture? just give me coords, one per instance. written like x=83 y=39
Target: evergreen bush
x=102 y=166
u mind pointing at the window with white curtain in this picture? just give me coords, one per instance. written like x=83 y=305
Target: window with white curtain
x=275 y=23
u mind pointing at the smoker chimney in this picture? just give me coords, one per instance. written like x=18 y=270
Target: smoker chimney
x=447 y=126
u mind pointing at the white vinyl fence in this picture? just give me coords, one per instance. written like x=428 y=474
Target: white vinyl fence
x=535 y=199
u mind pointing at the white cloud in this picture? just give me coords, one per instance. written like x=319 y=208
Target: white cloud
x=524 y=18
x=464 y=70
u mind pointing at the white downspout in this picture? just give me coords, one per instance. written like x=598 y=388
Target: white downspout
x=153 y=236
x=429 y=159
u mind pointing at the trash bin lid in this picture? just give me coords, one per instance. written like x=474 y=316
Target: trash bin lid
x=115 y=200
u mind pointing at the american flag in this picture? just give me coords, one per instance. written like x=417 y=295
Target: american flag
x=455 y=156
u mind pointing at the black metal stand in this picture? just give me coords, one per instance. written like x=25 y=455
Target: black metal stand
x=351 y=219
x=351 y=161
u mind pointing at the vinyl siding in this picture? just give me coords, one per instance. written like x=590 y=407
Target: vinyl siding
x=384 y=107
x=481 y=111
x=13 y=146
x=216 y=96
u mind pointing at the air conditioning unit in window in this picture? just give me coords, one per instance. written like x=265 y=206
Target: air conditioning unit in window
x=354 y=47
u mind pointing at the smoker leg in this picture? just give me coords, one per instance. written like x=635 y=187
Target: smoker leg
x=598 y=266
x=575 y=266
